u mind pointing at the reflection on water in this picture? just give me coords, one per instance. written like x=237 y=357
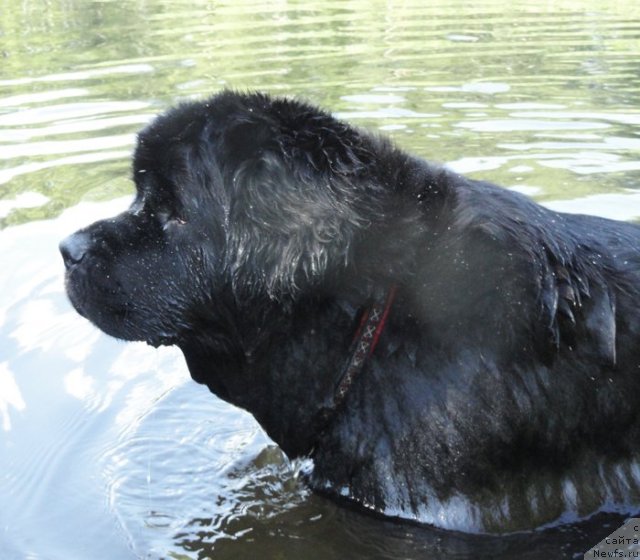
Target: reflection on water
x=11 y=397
x=108 y=450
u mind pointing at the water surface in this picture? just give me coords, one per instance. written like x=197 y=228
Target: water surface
x=108 y=450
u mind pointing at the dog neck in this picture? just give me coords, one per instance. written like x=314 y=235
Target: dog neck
x=372 y=323
x=257 y=379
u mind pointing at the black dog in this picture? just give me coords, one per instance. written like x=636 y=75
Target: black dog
x=443 y=349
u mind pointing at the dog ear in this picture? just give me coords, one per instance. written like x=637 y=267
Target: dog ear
x=304 y=190
x=290 y=226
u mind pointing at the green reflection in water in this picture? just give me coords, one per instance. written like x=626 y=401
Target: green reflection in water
x=542 y=96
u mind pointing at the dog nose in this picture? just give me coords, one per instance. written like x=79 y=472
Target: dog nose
x=74 y=248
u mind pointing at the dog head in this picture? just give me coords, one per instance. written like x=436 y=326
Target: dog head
x=237 y=198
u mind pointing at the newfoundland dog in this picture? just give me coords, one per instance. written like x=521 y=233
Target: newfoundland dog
x=443 y=349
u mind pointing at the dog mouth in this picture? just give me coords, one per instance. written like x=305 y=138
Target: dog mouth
x=75 y=293
x=110 y=308
x=103 y=305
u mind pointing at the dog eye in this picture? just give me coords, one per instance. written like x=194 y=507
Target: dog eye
x=172 y=222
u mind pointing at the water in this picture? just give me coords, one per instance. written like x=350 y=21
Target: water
x=108 y=450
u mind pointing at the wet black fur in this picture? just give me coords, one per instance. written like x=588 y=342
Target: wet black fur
x=511 y=360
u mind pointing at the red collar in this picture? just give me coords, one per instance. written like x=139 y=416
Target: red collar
x=364 y=342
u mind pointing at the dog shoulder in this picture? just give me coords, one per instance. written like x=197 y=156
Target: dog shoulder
x=528 y=250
